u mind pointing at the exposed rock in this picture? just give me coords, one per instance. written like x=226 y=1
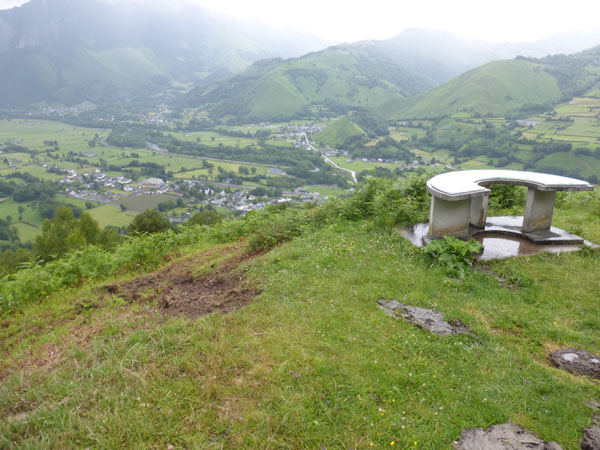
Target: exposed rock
x=591 y=438
x=506 y=436
x=429 y=319
x=591 y=435
x=579 y=362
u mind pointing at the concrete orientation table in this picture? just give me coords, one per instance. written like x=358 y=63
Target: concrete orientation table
x=460 y=199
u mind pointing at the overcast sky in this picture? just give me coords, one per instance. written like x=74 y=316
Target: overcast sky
x=350 y=20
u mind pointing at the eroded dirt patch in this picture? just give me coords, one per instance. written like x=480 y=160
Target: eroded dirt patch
x=208 y=282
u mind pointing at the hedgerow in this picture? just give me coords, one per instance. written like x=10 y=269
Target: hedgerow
x=393 y=203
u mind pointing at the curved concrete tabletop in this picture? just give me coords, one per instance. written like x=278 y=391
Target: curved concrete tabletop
x=465 y=184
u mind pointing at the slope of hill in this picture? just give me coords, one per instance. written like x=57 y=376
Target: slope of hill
x=333 y=80
x=336 y=133
x=440 y=56
x=505 y=86
x=70 y=50
x=368 y=74
x=195 y=340
x=495 y=88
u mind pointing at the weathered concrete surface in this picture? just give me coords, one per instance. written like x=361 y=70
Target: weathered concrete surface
x=449 y=217
x=478 y=212
x=460 y=198
x=506 y=436
x=429 y=319
x=465 y=184
x=513 y=225
x=539 y=208
x=577 y=361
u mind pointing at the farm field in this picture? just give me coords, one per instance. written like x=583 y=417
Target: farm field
x=27 y=232
x=358 y=165
x=324 y=190
x=140 y=203
x=30 y=226
x=399 y=135
x=586 y=165
x=111 y=215
x=33 y=133
x=11 y=208
x=206 y=138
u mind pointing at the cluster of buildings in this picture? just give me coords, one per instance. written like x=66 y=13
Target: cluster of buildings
x=87 y=186
x=242 y=201
x=65 y=110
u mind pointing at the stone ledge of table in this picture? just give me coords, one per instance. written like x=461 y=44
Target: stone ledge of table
x=464 y=184
x=512 y=225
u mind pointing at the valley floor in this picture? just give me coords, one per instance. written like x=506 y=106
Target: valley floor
x=307 y=359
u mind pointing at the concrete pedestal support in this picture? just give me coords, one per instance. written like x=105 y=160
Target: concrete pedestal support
x=539 y=208
x=449 y=218
x=478 y=213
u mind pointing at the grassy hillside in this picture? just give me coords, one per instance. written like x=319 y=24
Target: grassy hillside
x=98 y=76
x=336 y=79
x=336 y=133
x=495 y=88
x=294 y=351
x=520 y=85
x=71 y=51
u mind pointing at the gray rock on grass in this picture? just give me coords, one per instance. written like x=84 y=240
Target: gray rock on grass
x=577 y=361
x=591 y=435
x=429 y=319
x=506 y=436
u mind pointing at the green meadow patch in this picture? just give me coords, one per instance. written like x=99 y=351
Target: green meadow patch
x=139 y=203
x=110 y=215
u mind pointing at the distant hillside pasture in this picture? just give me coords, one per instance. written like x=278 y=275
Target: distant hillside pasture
x=33 y=133
x=140 y=203
x=213 y=138
x=107 y=215
x=36 y=171
x=27 y=232
x=570 y=164
x=328 y=82
x=338 y=131
x=495 y=88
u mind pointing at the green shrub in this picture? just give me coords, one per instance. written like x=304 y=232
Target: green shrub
x=507 y=200
x=150 y=221
x=453 y=254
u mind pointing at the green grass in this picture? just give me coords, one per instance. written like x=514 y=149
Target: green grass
x=357 y=165
x=33 y=133
x=139 y=203
x=31 y=217
x=312 y=361
x=27 y=232
x=206 y=139
x=338 y=131
x=109 y=215
x=227 y=166
x=581 y=164
x=335 y=76
x=323 y=190
x=494 y=88
x=481 y=162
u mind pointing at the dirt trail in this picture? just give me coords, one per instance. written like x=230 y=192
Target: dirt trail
x=210 y=281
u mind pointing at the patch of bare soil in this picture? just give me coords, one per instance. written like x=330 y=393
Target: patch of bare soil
x=193 y=287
